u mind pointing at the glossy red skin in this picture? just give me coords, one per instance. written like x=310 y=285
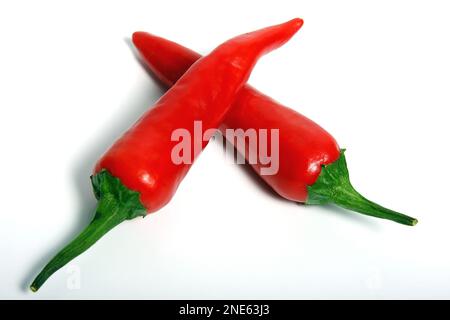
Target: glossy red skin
x=141 y=158
x=304 y=145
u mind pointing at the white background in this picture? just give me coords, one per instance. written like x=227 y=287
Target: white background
x=375 y=74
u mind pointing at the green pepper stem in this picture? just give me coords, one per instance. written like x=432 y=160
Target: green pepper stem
x=351 y=199
x=333 y=186
x=100 y=225
x=116 y=203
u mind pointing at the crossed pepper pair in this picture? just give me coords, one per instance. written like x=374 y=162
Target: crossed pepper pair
x=137 y=176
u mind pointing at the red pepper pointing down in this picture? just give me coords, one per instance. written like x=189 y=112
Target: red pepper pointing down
x=137 y=176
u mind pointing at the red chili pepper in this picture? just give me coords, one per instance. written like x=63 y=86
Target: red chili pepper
x=136 y=175
x=312 y=168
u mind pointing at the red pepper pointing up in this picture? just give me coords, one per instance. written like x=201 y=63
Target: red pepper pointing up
x=136 y=175
x=312 y=168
